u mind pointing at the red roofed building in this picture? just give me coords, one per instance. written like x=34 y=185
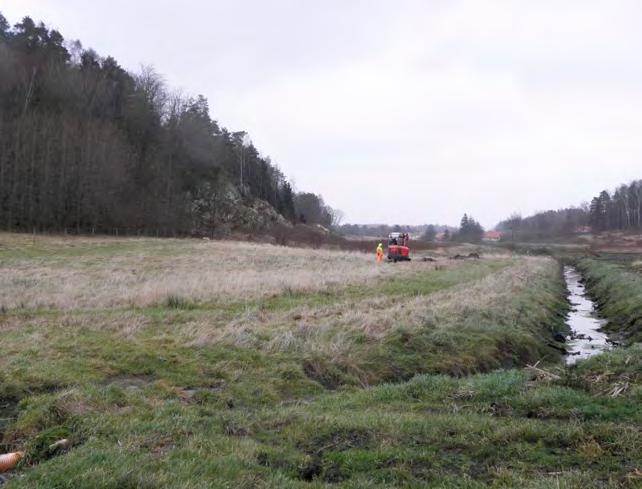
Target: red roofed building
x=492 y=235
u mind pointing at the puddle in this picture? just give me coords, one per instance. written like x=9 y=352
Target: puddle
x=585 y=339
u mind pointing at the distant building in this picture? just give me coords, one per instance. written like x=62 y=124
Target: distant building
x=492 y=236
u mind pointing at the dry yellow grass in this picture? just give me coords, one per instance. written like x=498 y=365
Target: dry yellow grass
x=330 y=330
x=76 y=274
x=99 y=273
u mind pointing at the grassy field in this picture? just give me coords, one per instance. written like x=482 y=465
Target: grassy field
x=194 y=364
x=617 y=285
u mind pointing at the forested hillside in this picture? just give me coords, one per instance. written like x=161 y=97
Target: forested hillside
x=86 y=146
x=620 y=210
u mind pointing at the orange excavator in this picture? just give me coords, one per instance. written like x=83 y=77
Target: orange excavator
x=398 y=249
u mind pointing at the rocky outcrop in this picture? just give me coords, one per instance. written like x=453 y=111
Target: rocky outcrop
x=222 y=210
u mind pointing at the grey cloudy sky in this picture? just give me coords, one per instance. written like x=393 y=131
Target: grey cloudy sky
x=400 y=111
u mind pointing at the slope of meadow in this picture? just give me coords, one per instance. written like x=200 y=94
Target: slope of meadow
x=617 y=285
x=192 y=364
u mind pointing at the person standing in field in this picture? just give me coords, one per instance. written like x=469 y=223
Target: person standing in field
x=379 y=253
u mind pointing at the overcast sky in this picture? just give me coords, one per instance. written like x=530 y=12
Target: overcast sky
x=400 y=111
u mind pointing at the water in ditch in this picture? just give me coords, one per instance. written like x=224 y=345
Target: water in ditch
x=586 y=338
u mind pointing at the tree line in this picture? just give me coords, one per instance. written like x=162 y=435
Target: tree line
x=311 y=209
x=369 y=230
x=543 y=225
x=87 y=146
x=470 y=231
x=619 y=210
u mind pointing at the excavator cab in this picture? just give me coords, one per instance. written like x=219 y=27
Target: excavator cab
x=398 y=249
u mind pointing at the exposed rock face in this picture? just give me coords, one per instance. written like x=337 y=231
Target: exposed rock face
x=223 y=209
x=258 y=215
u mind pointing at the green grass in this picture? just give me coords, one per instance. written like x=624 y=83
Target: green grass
x=436 y=397
x=502 y=429
x=618 y=291
x=15 y=247
x=476 y=337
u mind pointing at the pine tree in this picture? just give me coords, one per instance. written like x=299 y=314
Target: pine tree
x=4 y=27
x=429 y=233
x=469 y=230
x=286 y=202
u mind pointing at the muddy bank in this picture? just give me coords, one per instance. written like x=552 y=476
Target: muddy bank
x=586 y=338
x=617 y=288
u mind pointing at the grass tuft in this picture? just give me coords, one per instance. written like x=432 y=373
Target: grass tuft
x=178 y=302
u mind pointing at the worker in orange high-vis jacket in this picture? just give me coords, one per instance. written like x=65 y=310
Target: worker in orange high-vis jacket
x=379 y=253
